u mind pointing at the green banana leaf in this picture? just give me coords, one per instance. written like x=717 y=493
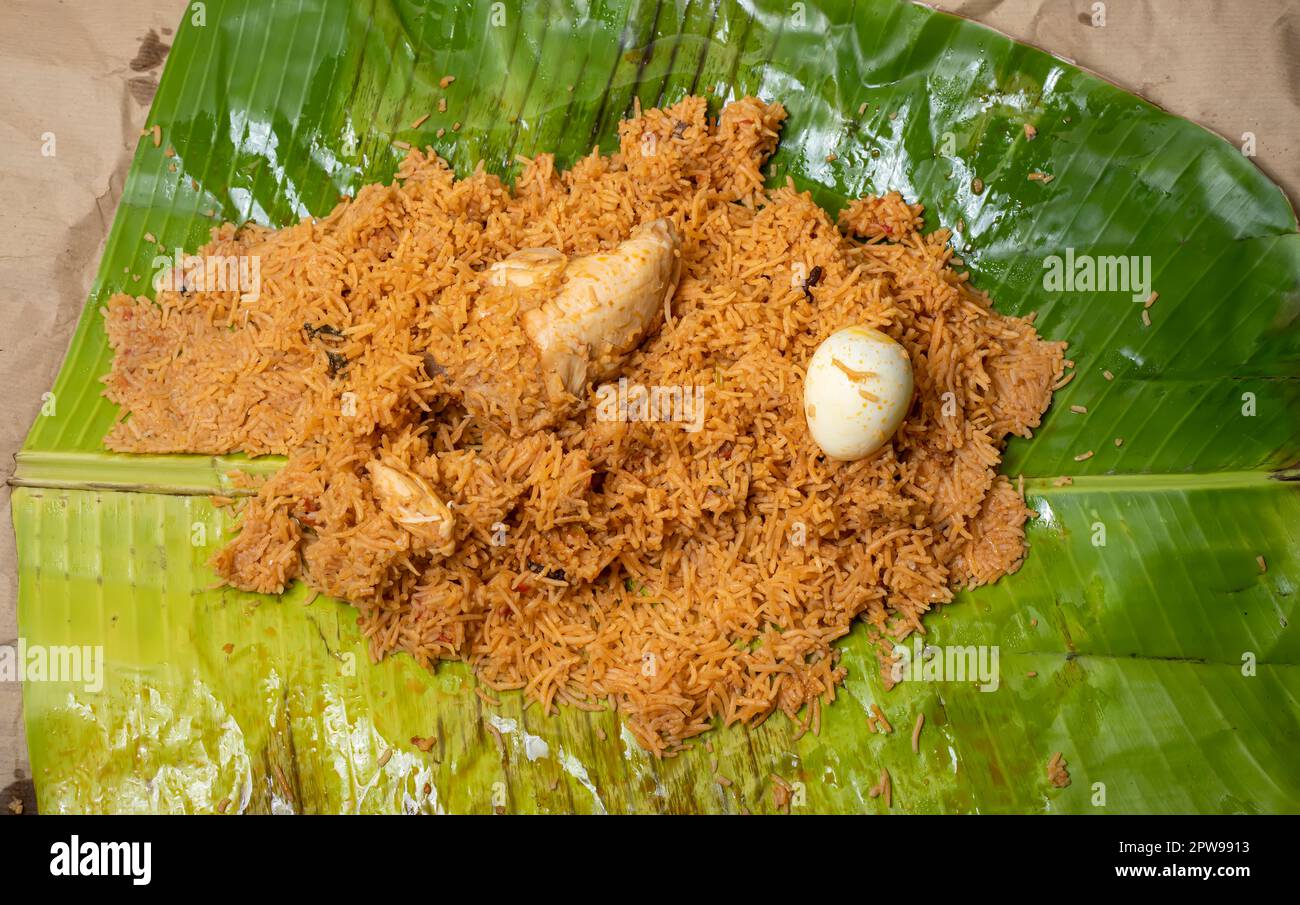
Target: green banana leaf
x=1147 y=638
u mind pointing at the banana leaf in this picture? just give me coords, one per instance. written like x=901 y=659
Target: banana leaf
x=1147 y=638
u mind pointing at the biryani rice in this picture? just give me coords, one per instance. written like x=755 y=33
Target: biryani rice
x=685 y=577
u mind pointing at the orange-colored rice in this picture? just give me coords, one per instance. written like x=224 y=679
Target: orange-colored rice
x=639 y=564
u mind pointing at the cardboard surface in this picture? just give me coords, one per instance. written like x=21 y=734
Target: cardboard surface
x=78 y=80
x=80 y=75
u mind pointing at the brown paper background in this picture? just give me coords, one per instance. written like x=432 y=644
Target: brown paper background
x=85 y=70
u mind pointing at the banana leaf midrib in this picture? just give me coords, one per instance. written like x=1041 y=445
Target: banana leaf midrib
x=204 y=475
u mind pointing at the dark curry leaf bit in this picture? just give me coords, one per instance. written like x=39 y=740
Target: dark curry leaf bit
x=314 y=332
x=337 y=362
x=814 y=277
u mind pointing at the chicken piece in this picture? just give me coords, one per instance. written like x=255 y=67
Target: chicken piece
x=527 y=275
x=409 y=501
x=608 y=304
x=545 y=324
x=526 y=268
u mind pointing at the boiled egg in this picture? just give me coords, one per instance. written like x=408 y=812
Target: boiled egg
x=857 y=392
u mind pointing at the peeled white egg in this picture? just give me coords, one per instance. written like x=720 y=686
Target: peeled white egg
x=857 y=392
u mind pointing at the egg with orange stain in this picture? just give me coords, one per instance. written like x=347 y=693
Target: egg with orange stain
x=857 y=392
